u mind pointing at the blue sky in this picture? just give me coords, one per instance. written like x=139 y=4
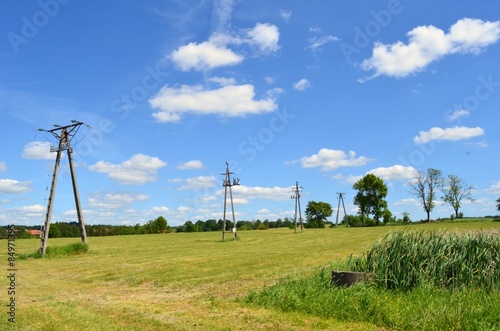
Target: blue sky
x=320 y=93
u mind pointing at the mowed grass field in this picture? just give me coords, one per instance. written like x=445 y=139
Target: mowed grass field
x=184 y=281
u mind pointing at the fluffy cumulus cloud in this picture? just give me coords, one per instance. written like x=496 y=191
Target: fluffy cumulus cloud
x=118 y=201
x=216 y=52
x=330 y=159
x=12 y=186
x=193 y=164
x=428 y=43
x=230 y=101
x=395 y=172
x=302 y=85
x=452 y=134
x=139 y=169
x=265 y=36
x=204 y=56
x=38 y=150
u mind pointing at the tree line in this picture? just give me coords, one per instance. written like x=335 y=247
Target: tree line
x=370 y=200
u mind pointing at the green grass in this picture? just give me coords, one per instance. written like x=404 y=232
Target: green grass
x=71 y=249
x=186 y=281
x=408 y=259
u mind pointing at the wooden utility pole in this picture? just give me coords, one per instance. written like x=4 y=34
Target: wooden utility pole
x=341 y=198
x=227 y=183
x=296 y=195
x=66 y=134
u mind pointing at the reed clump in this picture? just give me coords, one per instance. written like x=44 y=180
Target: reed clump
x=408 y=259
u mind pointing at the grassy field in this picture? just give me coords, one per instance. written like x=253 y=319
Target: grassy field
x=185 y=281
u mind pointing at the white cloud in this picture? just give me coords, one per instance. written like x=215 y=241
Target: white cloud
x=38 y=150
x=453 y=134
x=395 y=172
x=204 y=56
x=139 y=169
x=112 y=201
x=407 y=201
x=350 y=179
x=3 y=166
x=198 y=183
x=231 y=101
x=428 y=44
x=265 y=36
x=315 y=43
x=193 y=164
x=12 y=186
x=302 y=85
x=330 y=159
x=494 y=188
x=275 y=193
x=223 y=81
x=286 y=14
x=459 y=114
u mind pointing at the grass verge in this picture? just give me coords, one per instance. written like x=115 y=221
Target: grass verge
x=71 y=249
x=426 y=308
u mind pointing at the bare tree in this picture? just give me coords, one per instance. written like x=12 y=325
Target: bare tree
x=455 y=189
x=424 y=186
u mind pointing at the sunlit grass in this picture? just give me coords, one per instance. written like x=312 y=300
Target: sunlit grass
x=186 y=281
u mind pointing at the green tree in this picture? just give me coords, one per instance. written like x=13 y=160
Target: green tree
x=317 y=212
x=54 y=231
x=455 y=189
x=370 y=198
x=189 y=227
x=498 y=204
x=200 y=225
x=160 y=225
x=424 y=186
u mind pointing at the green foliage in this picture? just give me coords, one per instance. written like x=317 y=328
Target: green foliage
x=405 y=260
x=371 y=195
x=71 y=249
x=421 y=309
x=317 y=212
x=498 y=204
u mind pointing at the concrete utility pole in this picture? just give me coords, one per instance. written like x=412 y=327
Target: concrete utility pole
x=296 y=195
x=341 y=198
x=64 y=134
x=227 y=183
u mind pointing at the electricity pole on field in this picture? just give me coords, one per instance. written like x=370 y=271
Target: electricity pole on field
x=296 y=195
x=341 y=198
x=64 y=134
x=227 y=183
